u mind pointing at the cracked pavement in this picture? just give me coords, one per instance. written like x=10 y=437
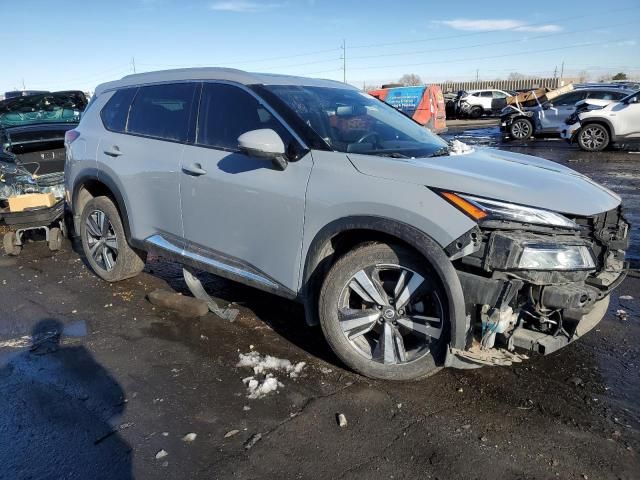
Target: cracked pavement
x=125 y=380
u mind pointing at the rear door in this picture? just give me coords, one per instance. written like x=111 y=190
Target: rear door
x=242 y=216
x=554 y=112
x=144 y=159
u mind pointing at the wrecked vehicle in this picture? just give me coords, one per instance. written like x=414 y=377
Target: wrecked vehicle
x=596 y=124
x=545 y=116
x=32 y=130
x=411 y=253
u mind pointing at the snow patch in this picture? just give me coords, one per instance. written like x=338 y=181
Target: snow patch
x=459 y=148
x=626 y=297
x=16 y=342
x=262 y=382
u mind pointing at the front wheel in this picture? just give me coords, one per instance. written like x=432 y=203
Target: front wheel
x=593 y=138
x=521 y=129
x=476 y=112
x=104 y=242
x=383 y=311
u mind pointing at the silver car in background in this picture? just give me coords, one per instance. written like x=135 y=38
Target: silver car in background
x=411 y=253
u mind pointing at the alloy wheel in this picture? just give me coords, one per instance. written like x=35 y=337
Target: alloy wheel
x=521 y=129
x=101 y=240
x=593 y=137
x=390 y=314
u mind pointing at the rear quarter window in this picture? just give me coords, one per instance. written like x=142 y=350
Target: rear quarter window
x=114 y=113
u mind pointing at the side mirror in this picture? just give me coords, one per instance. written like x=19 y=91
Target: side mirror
x=547 y=105
x=265 y=144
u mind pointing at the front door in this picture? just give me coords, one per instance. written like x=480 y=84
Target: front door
x=555 y=112
x=240 y=214
x=626 y=117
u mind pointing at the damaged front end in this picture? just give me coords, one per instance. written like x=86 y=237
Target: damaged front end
x=530 y=286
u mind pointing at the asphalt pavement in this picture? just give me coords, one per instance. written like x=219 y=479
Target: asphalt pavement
x=98 y=383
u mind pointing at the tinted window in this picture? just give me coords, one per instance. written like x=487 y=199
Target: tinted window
x=226 y=112
x=498 y=94
x=485 y=94
x=114 y=114
x=162 y=111
x=569 y=98
x=603 y=95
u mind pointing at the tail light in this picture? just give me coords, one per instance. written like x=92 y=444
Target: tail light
x=70 y=136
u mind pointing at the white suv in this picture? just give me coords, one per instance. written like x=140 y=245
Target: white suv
x=596 y=128
x=481 y=101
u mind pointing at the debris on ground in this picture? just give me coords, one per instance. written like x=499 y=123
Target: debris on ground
x=577 y=381
x=231 y=433
x=161 y=454
x=621 y=314
x=342 y=420
x=252 y=441
x=189 y=437
x=189 y=307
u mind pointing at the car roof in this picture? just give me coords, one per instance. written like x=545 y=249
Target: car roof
x=216 y=73
x=603 y=89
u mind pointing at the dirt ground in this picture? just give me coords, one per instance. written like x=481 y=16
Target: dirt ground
x=125 y=382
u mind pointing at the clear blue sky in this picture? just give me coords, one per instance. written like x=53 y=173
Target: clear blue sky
x=74 y=44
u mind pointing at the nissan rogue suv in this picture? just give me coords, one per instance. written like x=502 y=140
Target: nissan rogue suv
x=410 y=252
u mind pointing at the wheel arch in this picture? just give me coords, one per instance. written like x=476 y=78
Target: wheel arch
x=605 y=122
x=343 y=234
x=90 y=185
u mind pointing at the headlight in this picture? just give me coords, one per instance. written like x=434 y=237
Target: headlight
x=556 y=257
x=485 y=209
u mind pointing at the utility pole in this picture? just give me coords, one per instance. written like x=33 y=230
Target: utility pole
x=555 y=72
x=562 y=70
x=23 y=86
x=133 y=64
x=477 y=74
x=343 y=57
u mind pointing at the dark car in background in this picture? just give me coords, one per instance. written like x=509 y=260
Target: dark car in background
x=32 y=130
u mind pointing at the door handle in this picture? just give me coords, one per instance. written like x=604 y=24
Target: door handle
x=194 y=169
x=113 y=151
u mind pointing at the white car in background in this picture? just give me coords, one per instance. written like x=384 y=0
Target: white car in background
x=596 y=124
x=480 y=102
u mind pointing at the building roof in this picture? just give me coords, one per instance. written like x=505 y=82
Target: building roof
x=214 y=73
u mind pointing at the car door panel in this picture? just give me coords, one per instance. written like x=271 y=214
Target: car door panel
x=626 y=119
x=242 y=212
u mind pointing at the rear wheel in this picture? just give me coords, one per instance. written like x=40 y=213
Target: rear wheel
x=104 y=242
x=475 y=112
x=383 y=311
x=521 y=129
x=10 y=244
x=593 y=138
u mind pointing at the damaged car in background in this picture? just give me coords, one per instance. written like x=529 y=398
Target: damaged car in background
x=32 y=130
x=410 y=252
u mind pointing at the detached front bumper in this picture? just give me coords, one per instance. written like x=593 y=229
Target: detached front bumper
x=511 y=309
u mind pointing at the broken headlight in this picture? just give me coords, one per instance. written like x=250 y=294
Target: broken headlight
x=556 y=257
x=481 y=209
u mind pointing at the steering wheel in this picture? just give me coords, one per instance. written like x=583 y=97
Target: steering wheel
x=376 y=135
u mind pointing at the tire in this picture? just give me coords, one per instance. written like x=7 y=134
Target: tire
x=475 y=112
x=593 y=137
x=55 y=239
x=9 y=242
x=368 y=343
x=521 y=129
x=112 y=258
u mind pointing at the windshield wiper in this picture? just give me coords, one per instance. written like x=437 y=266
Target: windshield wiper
x=441 y=152
x=393 y=155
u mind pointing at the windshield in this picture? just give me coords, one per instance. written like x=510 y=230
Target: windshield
x=42 y=108
x=629 y=97
x=353 y=122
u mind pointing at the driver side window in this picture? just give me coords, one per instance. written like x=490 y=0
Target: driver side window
x=227 y=111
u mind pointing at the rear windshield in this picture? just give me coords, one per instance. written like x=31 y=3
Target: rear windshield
x=55 y=107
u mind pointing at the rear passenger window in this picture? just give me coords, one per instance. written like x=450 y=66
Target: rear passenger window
x=162 y=111
x=114 y=114
x=226 y=112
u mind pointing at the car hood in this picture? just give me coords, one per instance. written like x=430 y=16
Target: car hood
x=487 y=172
x=593 y=103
